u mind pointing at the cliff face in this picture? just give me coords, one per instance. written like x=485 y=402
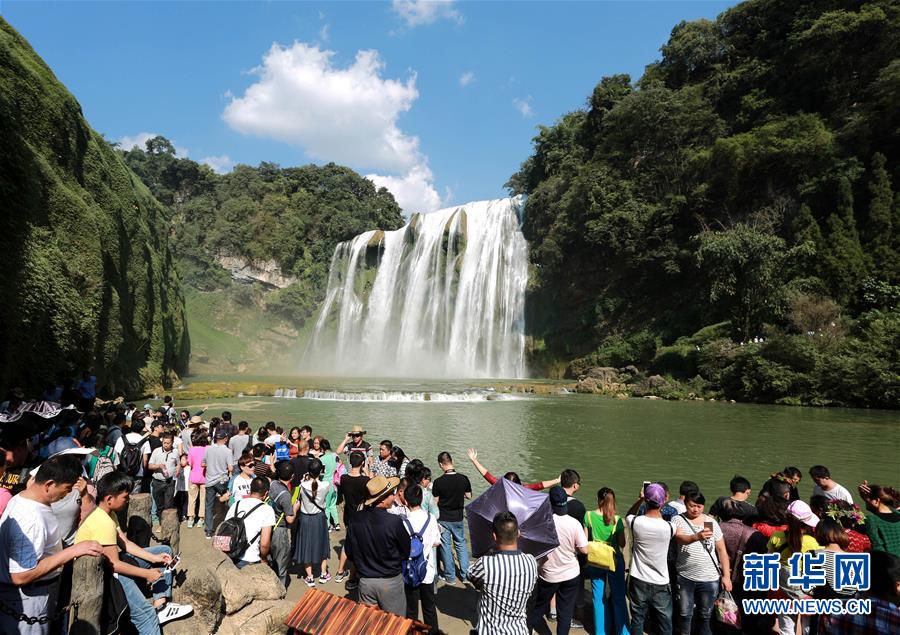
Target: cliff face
x=87 y=274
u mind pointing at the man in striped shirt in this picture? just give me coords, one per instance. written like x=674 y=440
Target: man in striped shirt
x=505 y=578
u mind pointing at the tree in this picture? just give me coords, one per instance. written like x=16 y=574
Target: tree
x=744 y=269
x=880 y=226
x=844 y=262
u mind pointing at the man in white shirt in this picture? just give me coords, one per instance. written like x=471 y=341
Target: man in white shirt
x=560 y=571
x=32 y=548
x=648 y=586
x=826 y=486
x=418 y=521
x=259 y=518
x=137 y=439
x=684 y=489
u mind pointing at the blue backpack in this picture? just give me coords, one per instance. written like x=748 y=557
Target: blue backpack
x=415 y=567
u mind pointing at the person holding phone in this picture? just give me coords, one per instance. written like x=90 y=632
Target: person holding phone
x=702 y=563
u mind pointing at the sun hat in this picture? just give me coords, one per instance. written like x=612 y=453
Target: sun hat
x=379 y=487
x=196 y=420
x=148 y=406
x=654 y=493
x=802 y=512
x=357 y=430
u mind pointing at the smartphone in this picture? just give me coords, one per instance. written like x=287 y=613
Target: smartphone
x=708 y=525
x=646 y=483
x=174 y=563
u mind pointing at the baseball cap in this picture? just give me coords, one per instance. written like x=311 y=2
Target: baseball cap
x=654 y=493
x=802 y=512
x=221 y=434
x=558 y=498
x=148 y=406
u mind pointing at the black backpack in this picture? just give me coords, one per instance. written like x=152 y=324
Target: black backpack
x=231 y=536
x=131 y=460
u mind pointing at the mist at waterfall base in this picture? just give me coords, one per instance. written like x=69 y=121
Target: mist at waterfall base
x=441 y=297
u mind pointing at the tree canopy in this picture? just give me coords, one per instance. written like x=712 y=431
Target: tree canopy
x=753 y=164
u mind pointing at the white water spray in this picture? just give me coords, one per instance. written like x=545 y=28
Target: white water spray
x=443 y=296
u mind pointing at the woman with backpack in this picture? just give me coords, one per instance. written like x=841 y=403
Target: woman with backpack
x=312 y=536
x=604 y=525
x=103 y=462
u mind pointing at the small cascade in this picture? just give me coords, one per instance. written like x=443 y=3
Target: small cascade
x=285 y=393
x=397 y=396
x=443 y=296
x=279 y=392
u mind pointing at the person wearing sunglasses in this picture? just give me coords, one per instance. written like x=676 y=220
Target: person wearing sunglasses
x=354 y=442
x=240 y=487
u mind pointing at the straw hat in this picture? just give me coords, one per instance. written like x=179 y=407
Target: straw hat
x=357 y=430
x=196 y=420
x=379 y=487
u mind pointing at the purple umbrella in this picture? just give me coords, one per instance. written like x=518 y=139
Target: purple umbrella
x=531 y=509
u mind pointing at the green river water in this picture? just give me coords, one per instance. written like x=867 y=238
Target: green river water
x=615 y=443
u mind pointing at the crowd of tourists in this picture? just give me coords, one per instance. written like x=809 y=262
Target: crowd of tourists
x=278 y=496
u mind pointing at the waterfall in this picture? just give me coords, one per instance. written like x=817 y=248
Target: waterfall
x=443 y=296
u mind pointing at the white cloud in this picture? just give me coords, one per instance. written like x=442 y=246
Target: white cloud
x=323 y=33
x=220 y=164
x=348 y=115
x=413 y=192
x=421 y=12
x=466 y=78
x=524 y=106
x=140 y=140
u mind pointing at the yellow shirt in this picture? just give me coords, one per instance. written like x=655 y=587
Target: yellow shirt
x=99 y=526
x=778 y=543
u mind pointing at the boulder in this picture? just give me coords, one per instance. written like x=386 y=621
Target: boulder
x=262 y=617
x=241 y=587
x=202 y=590
x=629 y=370
x=653 y=385
x=604 y=374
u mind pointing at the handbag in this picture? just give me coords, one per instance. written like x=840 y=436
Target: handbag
x=600 y=553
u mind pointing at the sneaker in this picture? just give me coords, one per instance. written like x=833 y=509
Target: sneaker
x=310 y=582
x=337 y=527
x=450 y=581
x=340 y=576
x=209 y=536
x=190 y=523
x=325 y=577
x=551 y=616
x=576 y=625
x=352 y=585
x=171 y=611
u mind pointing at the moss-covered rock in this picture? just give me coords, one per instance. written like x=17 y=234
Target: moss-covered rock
x=88 y=279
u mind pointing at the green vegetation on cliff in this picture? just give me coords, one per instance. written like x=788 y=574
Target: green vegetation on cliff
x=749 y=177
x=282 y=222
x=88 y=278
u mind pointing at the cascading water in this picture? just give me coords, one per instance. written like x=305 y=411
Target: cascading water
x=443 y=296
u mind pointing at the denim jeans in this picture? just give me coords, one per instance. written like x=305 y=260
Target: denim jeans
x=212 y=499
x=645 y=597
x=143 y=615
x=703 y=594
x=610 y=616
x=454 y=532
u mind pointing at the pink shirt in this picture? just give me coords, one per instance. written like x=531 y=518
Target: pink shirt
x=5 y=496
x=195 y=460
x=561 y=564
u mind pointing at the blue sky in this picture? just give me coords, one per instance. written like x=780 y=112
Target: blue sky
x=438 y=101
